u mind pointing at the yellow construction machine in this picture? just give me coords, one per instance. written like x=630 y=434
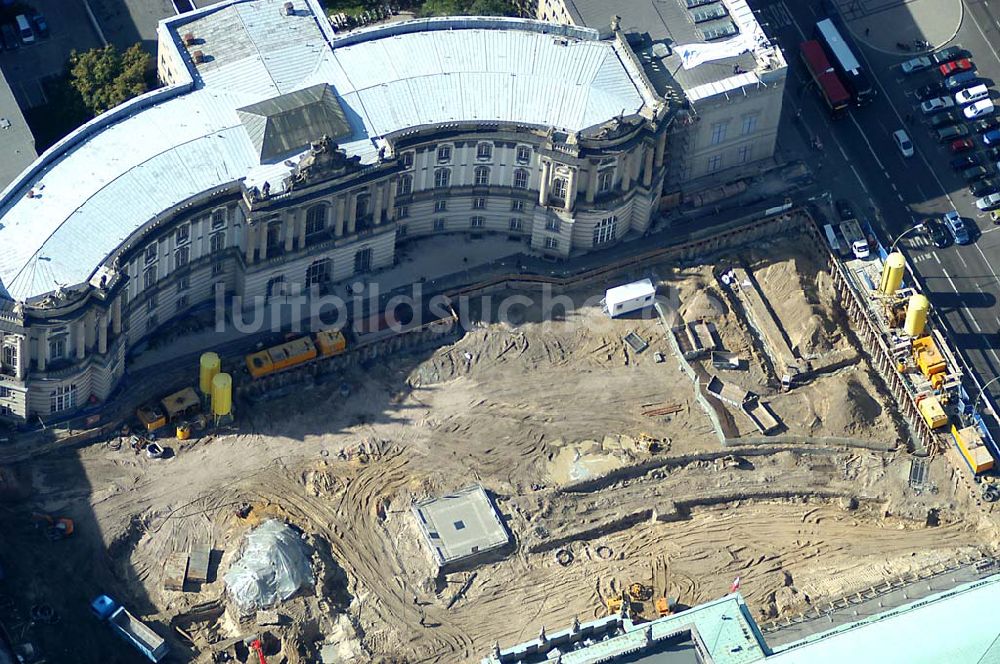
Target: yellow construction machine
x=645 y=602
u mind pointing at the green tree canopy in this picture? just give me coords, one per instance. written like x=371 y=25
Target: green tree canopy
x=106 y=78
x=468 y=8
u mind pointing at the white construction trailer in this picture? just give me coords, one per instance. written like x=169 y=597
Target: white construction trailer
x=621 y=300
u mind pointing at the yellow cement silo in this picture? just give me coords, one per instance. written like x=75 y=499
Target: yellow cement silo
x=222 y=394
x=916 y=315
x=892 y=273
x=211 y=365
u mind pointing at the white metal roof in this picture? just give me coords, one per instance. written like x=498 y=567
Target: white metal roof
x=104 y=182
x=626 y=292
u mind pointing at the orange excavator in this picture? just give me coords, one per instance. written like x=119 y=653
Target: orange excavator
x=56 y=527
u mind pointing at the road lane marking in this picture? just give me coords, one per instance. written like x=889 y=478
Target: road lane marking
x=988 y=264
x=936 y=258
x=985 y=38
x=972 y=319
x=868 y=143
x=959 y=254
x=948 y=277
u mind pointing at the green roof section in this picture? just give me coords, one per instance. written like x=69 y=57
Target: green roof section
x=288 y=123
x=957 y=626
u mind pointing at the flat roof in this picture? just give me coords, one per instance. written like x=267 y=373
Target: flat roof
x=958 y=625
x=105 y=181
x=722 y=629
x=17 y=140
x=661 y=30
x=460 y=525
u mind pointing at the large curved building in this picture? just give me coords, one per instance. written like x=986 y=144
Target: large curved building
x=279 y=157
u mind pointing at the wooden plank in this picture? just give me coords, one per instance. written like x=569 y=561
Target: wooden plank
x=175 y=570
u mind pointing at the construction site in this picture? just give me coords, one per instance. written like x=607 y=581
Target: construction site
x=522 y=464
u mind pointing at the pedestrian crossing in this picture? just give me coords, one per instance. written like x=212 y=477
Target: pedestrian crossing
x=776 y=15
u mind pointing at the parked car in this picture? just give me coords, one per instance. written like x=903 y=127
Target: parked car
x=24 y=30
x=40 y=24
x=945 y=119
x=984 y=125
x=958 y=229
x=992 y=137
x=947 y=54
x=979 y=109
x=988 y=202
x=976 y=173
x=931 y=90
x=937 y=105
x=972 y=94
x=955 y=66
x=844 y=210
x=984 y=187
x=960 y=80
x=995 y=216
x=903 y=142
x=961 y=145
x=951 y=132
x=937 y=233
x=916 y=64
x=965 y=161
x=10 y=40
x=993 y=153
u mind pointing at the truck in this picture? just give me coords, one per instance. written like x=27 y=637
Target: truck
x=621 y=300
x=130 y=628
x=856 y=240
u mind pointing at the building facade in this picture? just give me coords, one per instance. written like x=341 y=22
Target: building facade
x=714 y=57
x=279 y=159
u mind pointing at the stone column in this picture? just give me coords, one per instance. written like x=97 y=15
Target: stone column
x=341 y=207
x=262 y=238
x=43 y=349
x=80 y=336
x=647 y=172
x=570 y=190
x=116 y=316
x=626 y=173
x=377 y=203
x=661 y=147
x=352 y=212
x=291 y=221
x=102 y=334
x=22 y=357
x=250 y=241
x=592 y=187
x=390 y=204
x=543 y=185
x=301 y=224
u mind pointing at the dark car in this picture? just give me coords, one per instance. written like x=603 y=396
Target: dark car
x=951 y=132
x=944 y=119
x=976 y=173
x=937 y=233
x=931 y=90
x=993 y=153
x=965 y=161
x=844 y=210
x=984 y=125
x=950 y=53
x=984 y=187
x=10 y=40
x=40 y=24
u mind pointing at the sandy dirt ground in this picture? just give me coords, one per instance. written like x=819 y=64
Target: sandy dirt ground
x=548 y=417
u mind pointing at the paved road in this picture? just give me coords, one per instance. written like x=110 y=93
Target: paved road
x=860 y=162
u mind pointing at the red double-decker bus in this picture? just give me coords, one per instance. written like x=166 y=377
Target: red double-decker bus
x=834 y=93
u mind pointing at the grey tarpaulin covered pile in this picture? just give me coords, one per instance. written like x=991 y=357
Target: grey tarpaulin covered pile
x=274 y=565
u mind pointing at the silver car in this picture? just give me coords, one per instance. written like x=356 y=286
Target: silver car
x=916 y=64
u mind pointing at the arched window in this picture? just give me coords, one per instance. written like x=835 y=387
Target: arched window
x=316 y=219
x=520 y=178
x=442 y=178
x=484 y=151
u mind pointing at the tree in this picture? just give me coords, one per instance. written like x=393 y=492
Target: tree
x=468 y=8
x=104 y=78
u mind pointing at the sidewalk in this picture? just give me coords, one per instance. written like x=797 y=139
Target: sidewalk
x=936 y=21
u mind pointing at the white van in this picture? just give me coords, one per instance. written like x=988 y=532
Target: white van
x=24 y=30
x=969 y=95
